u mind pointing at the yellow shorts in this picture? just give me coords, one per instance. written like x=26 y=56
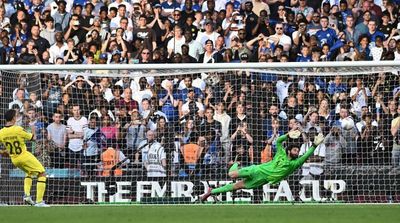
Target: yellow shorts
x=28 y=163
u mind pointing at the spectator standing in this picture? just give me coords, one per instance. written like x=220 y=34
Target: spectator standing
x=147 y=35
x=326 y=34
x=75 y=128
x=57 y=137
x=154 y=156
x=61 y=16
x=93 y=142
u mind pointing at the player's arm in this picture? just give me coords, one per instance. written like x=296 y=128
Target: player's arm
x=318 y=140
x=279 y=141
x=294 y=134
x=30 y=136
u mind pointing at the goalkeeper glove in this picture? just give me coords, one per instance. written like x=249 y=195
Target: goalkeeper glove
x=294 y=134
x=318 y=139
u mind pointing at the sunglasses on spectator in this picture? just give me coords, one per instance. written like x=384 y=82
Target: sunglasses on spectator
x=177 y=14
x=242 y=33
x=145 y=52
x=279 y=28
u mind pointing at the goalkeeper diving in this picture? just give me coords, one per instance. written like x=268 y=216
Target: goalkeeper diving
x=283 y=164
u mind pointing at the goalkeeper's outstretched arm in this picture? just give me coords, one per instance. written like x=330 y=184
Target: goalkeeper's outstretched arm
x=318 y=140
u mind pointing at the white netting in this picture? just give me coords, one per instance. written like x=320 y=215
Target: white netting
x=355 y=107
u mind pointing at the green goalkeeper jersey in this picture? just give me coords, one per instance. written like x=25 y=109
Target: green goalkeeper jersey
x=281 y=167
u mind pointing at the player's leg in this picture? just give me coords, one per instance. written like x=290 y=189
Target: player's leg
x=33 y=166
x=20 y=164
x=234 y=173
x=40 y=187
x=27 y=189
x=223 y=189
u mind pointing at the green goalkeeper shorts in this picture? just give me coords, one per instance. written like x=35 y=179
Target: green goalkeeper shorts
x=252 y=176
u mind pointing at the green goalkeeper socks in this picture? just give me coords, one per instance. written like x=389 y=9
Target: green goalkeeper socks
x=234 y=167
x=223 y=189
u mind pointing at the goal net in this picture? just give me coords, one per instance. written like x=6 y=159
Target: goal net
x=164 y=134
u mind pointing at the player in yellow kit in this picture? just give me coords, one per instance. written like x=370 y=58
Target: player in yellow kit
x=13 y=138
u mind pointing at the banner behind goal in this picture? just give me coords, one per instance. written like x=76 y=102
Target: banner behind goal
x=164 y=134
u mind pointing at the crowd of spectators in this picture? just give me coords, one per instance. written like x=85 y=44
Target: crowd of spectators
x=190 y=31
x=193 y=124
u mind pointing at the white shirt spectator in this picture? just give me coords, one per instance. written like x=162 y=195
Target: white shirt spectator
x=232 y=34
x=128 y=6
x=185 y=107
x=175 y=45
x=195 y=49
x=361 y=124
x=76 y=145
x=202 y=37
x=219 y=5
x=396 y=56
x=362 y=101
x=376 y=53
x=225 y=121
x=56 y=52
x=313 y=168
x=284 y=41
x=282 y=89
x=152 y=158
x=115 y=23
x=98 y=113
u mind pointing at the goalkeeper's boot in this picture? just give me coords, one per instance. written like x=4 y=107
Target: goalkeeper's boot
x=42 y=205
x=28 y=200
x=206 y=195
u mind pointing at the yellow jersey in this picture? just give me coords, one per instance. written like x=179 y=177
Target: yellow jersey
x=13 y=139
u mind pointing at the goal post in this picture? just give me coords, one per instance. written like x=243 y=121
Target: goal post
x=164 y=133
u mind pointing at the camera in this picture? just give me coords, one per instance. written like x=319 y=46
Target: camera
x=113 y=35
x=76 y=23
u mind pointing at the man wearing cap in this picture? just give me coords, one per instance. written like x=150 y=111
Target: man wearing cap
x=103 y=58
x=61 y=17
x=208 y=34
x=157 y=23
x=210 y=55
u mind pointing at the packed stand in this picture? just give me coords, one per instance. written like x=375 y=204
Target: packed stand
x=191 y=125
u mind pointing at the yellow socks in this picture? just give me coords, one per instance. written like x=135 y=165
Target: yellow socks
x=27 y=185
x=40 y=188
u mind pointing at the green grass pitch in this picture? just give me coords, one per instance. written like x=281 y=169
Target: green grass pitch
x=204 y=214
